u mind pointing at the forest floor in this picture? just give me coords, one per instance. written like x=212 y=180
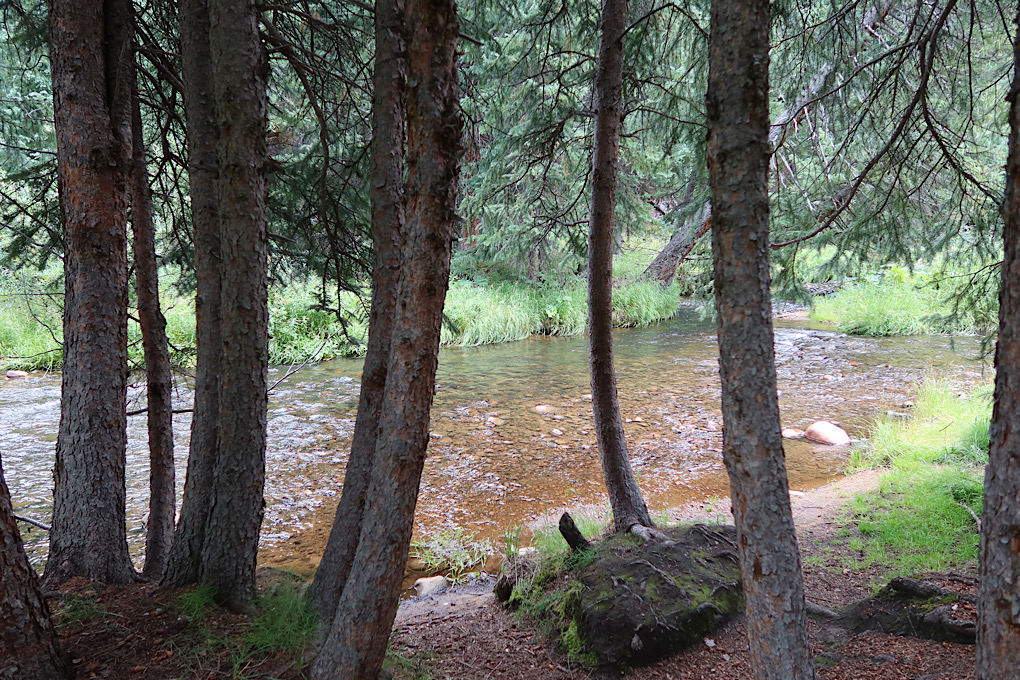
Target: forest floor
x=137 y=632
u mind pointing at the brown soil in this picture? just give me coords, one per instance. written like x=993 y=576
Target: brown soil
x=136 y=632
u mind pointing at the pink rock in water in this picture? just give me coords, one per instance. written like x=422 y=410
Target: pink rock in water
x=824 y=432
x=17 y=374
x=792 y=433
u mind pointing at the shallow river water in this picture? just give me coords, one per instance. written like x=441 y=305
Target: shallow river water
x=495 y=462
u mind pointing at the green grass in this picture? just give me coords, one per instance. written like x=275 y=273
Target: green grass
x=943 y=427
x=283 y=624
x=902 y=303
x=508 y=311
x=79 y=608
x=923 y=517
x=453 y=552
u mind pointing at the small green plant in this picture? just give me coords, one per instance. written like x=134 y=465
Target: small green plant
x=79 y=608
x=452 y=551
x=407 y=666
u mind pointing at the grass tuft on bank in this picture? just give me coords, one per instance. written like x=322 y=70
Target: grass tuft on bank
x=924 y=515
x=900 y=302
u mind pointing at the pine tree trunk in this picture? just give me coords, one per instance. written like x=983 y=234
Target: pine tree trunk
x=232 y=534
x=203 y=177
x=998 y=645
x=360 y=632
x=624 y=495
x=90 y=61
x=158 y=372
x=738 y=153
x=28 y=643
x=386 y=191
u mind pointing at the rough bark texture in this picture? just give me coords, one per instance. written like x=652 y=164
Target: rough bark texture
x=158 y=372
x=663 y=268
x=358 y=638
x=28 y=643
x=203 y=176
x=738 y=153
x=998 y=648
x=624 y=495
x=232 y=534
x=90 y=58
x=387 y=196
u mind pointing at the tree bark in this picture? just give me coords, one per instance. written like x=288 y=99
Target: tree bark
x=998 y=645
x=360 y=632
x=28 y=643
x=624 y=495
x=738 y=154
x=203 y=178
x=235 y=516
x=158 y=372
x=90 y=61
x=386 y=192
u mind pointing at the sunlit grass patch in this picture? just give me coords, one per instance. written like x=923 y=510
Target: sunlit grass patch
x=943 y=427
x=453 y=552
x=923 y=518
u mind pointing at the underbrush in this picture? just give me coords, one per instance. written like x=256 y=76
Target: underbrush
x=452 y=552
x=924 y=517
x=283 y=625
x=545 y=580
x=900 y=302
x=479 y=314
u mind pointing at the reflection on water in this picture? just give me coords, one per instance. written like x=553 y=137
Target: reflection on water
x=496 y=462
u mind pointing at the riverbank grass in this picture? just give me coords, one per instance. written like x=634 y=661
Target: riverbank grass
x=924 y=516
x=900 y=302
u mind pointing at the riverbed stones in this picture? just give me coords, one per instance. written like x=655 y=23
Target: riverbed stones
x=792 y=433
x=640 y=602
x=824 y=432
x=13 y=374
x=429 y=586
x=544 y=409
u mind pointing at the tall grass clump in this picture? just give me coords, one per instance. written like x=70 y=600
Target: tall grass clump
x=31 y=329
x=943 y=427
x=900 y=302
x=301 y=330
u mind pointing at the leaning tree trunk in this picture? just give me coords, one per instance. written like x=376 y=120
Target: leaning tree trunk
x=360 y=632
x=28 y=643
x=738 y=156
x=624 y=495
x=235 y=517
x=386 y=191
x=90 y=60
x=203 y=174
x=998 y=645
x=158 y=373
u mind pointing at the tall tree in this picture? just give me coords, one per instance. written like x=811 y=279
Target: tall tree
x=738 y=155
x=91 y=66
x=217 y=545
x=356 y=645
x=386 y=189
x=203 y=179
x=998 y=648
x=28 y=642
x=158 y=372
x=624 y=495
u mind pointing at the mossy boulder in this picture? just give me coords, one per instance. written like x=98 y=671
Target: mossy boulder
x=640 y=602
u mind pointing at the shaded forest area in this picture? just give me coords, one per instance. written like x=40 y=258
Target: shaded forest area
x=380 y=151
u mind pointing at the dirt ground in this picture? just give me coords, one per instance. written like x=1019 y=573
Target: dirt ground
x=137 y=632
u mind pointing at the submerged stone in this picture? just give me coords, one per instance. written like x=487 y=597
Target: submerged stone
x=824 y=432
x=640 y=602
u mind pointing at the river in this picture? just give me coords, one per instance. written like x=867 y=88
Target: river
x=496 y=461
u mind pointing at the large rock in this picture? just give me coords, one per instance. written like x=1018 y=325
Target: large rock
x=824 y=432
x=641 y=602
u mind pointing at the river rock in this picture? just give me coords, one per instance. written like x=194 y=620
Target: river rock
x=824 y=432
x=640 y=602
x=556 y=433
x=792 y=433
x=544 y=408
x=429 y=586
x=17 y=374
